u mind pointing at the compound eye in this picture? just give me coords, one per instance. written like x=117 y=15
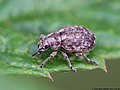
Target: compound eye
x=46 y=46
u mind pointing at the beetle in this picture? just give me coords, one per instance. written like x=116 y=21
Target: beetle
x=75 y=40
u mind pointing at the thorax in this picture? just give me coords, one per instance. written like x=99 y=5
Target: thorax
x=54 y=40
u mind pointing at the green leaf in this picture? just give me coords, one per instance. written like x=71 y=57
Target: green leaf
x=22 y=21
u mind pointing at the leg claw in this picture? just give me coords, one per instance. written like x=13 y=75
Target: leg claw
x=92 y=62
x=41 y=66
x=73 y=69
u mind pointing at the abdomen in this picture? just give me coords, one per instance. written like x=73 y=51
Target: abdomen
x=77 y=39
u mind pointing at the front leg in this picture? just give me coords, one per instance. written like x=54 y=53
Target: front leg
x=69 y=63
x=46 y=60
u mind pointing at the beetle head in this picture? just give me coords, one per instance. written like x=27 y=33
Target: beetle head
x=42 y=45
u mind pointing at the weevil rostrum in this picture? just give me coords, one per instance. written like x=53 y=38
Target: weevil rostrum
x=75 y=40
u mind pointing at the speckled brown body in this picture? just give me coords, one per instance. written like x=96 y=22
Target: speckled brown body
x=70 y=39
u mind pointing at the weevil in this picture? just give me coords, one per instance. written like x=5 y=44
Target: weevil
x=75 y=40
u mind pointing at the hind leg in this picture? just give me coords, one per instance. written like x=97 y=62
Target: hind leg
x=69 y=63
x=86 y=58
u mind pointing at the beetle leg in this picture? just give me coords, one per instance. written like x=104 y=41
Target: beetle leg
x=88 y=60
x=69 y=63
x=46 y=60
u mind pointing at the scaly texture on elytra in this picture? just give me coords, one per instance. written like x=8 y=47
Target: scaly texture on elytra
x=71 y=39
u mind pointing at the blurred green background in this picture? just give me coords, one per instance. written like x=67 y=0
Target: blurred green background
x=22 y=20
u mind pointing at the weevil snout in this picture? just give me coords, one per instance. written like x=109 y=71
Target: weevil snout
x=39 y=52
